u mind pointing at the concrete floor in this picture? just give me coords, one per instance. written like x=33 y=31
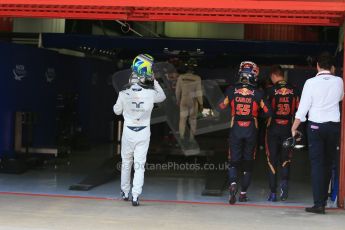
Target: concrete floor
x=158 y=186
x=155 y=188
x=48 y=213
x=100 y=208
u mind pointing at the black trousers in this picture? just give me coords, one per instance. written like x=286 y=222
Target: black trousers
x=242 y=143
x=323 y=152
x=276 y=154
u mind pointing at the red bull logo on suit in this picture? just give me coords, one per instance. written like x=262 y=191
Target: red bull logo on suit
x=244 y=91
x=283 y=91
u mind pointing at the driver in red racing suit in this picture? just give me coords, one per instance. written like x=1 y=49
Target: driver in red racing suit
x=245 y=101
x=284 y=101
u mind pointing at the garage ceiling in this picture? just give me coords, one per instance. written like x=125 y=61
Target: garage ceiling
x=305 y=12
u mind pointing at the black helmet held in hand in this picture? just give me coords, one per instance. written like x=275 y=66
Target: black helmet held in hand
x=290 y=142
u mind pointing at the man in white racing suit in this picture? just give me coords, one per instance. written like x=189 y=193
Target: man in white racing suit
x=135 y=103
x=189 y=98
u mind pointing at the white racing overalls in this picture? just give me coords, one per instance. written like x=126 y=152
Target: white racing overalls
x=136 y=104
x=189 y=98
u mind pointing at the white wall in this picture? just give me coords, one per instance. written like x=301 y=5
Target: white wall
x=38 y=25
x=97 y=30
x=204 y=30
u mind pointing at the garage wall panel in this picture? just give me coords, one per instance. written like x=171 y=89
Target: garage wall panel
x=31 y=79
x=96 y=98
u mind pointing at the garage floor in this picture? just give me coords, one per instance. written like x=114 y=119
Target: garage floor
x=155 y=188
x=175 y=187
x=40 y=199
x=48 y=213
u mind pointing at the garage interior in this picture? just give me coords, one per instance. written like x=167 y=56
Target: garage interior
x=60 y=79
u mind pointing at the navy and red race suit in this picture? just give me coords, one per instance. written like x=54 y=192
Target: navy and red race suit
x=284 y=102
x=245 y=102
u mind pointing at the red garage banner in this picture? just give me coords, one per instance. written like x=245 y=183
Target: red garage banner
x=281 y=33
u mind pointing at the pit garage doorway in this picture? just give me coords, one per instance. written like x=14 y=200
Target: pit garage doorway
x=295 y=12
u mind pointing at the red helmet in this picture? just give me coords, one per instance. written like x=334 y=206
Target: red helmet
x=249 y=67
x=248 y=72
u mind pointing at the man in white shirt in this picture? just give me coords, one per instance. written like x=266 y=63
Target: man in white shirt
x=135 y=103
x=320 y=100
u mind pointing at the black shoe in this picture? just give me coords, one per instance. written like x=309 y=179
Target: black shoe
x=233 y=192
x=135 y=202
x=272 y=197
x=316 y=209
x=243 y=197
x=124 y=197
x=284 y=191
